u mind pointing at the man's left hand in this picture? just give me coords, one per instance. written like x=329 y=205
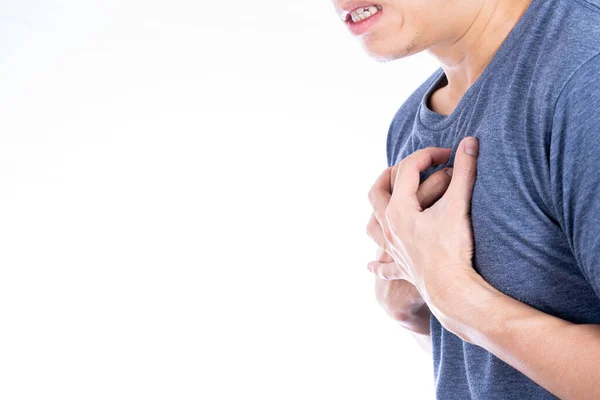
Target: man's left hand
x=433 y=245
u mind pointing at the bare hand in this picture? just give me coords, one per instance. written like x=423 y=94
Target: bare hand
x=429 y=192
x=435 y=245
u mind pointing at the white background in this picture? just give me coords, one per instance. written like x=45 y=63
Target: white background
x=183 y=203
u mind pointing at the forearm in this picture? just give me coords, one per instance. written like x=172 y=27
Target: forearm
x=417 y=320
x=418 y=325
x=560 y=356
x=404 y=304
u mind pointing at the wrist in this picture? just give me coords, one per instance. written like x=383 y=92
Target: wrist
x=463 y=302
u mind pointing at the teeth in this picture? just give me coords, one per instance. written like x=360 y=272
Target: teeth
x=363 y=13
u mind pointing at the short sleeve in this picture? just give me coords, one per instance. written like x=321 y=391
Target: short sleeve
x=391 y=143
x=574 y=166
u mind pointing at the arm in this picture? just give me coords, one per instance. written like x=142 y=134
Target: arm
x=560 y=356
x=403 y=303
x=433 y=248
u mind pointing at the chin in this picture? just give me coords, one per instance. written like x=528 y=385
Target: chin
x=386 y=49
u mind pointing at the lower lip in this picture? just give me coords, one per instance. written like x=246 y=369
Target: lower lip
x=362 y=27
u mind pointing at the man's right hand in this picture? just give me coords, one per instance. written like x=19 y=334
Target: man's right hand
x=399 y=298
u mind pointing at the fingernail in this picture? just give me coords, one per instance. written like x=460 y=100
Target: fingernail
x=472 y=147
x=449 y=171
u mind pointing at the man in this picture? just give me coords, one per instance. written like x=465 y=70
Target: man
x=499 y=264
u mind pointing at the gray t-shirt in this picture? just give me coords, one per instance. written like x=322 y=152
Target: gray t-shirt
x=536 y=202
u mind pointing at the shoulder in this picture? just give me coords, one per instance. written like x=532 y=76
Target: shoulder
x=557 y=55
x=565 y=36
x=579 y=97
x=575 y=133
x=570 y=34
x=404 y=118
x=592 y=5
x=583 y=14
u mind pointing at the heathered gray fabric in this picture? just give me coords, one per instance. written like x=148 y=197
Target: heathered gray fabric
x=536 y=202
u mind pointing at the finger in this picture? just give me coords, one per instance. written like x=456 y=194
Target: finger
x=393 y=173
x=380 y=195
x=387 y=271
x=383 y=256
x=465 y=170
x=376 y=233
x=408 y=177
x=434 y=187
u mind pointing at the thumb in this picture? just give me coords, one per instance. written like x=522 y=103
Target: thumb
x=465 y=170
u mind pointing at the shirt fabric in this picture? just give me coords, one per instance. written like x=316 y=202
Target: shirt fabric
x=536 y=202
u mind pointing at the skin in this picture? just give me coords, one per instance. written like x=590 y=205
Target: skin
x=399 y=298
x=467 y=34
x=432 y=247
x=558 y=355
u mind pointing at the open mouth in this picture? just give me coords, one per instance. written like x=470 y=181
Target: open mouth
x=362 y=13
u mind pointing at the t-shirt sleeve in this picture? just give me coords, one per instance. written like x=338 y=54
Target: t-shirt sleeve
x=391 y=142
x=574 y=162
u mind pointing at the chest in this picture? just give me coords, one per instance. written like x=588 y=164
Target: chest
x=520 y=248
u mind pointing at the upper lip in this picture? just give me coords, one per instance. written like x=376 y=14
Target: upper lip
x=344 y=8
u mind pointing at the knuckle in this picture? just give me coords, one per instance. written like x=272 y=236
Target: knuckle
x=415 y=155
x=428 y=152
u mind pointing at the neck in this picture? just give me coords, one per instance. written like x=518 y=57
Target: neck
x=465 y=57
